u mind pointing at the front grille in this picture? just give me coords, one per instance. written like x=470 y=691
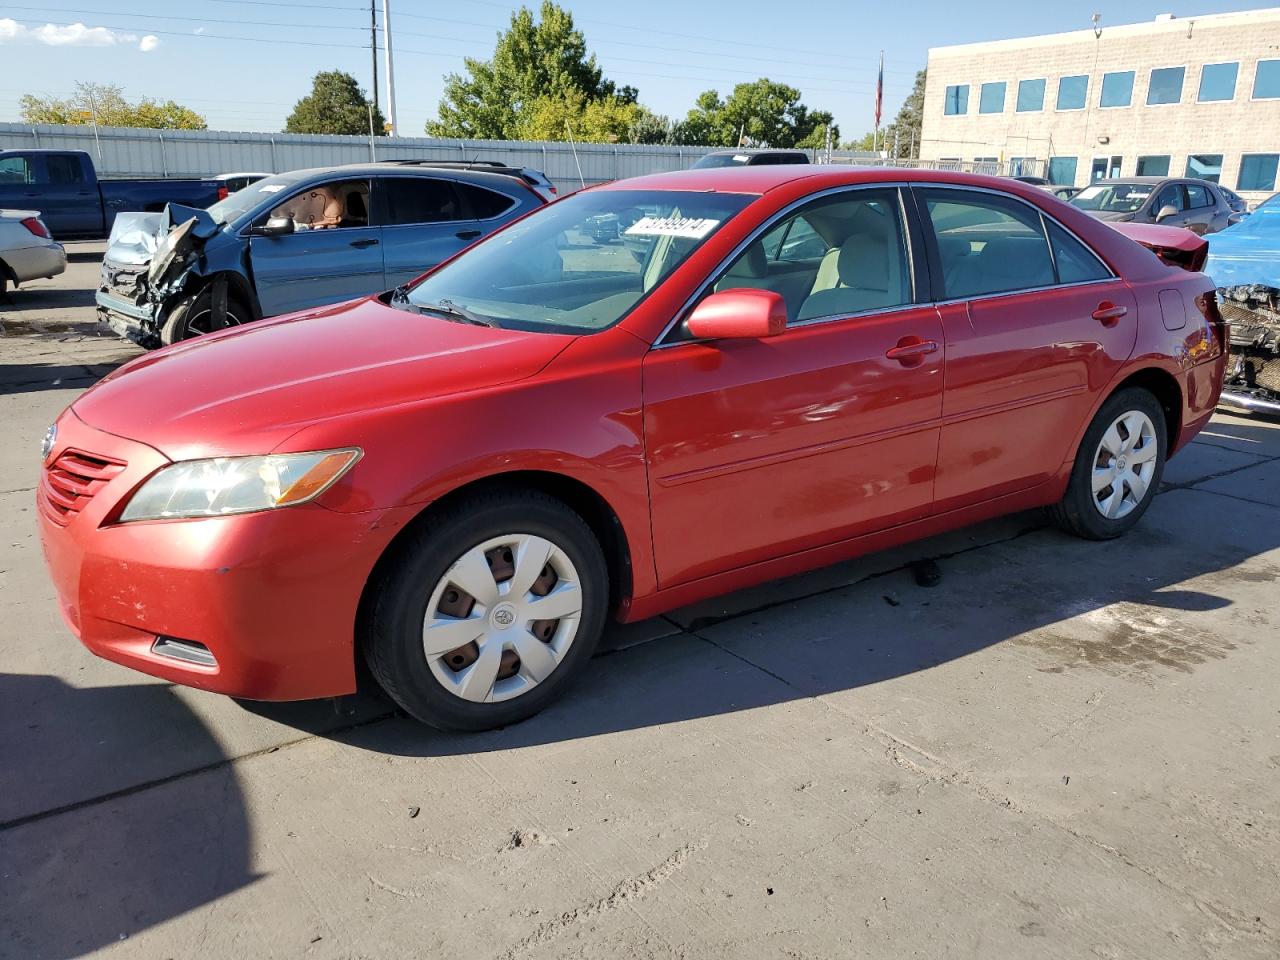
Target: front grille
x=123 y=280
x=71 y=481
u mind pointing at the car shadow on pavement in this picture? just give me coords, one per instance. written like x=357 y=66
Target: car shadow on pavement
x=70 y=885
x=34 y=377
x=1063 y=603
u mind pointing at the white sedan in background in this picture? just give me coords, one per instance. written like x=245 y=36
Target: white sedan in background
x=27 y=250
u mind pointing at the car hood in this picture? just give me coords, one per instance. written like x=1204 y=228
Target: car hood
x=1248 y=252
x=248 y=389
x=1112 y=216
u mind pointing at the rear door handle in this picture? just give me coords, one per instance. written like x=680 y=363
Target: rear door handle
x=1108 y=314
x=467 y=234
x=911 y=351
x=361 y=244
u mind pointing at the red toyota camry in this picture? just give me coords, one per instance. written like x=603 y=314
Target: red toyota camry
x=637 y=397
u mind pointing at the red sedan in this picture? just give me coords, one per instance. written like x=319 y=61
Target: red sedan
x=770 y=369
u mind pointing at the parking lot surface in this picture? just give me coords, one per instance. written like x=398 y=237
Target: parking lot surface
x=1061 y=749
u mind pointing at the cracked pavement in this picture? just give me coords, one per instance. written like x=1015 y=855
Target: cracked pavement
x=1063 y=749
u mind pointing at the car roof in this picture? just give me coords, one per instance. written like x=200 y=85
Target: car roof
x=762 y=179
x=396 y=170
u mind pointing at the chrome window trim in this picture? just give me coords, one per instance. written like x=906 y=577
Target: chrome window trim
x=1021 y=290
x=662 y=342
x=1111 y=274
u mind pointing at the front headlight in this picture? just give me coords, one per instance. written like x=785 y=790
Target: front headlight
x=228 y=485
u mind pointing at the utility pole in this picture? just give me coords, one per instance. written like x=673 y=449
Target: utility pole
x=391 y=80
x=373 y=46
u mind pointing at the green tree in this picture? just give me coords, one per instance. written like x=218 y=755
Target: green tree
x=602 y=120
x=539 y=61
x=336 y=105
x=106 y=103
x=759 y=113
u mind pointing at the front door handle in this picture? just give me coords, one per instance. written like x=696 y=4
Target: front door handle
x=361 y=244
x=911 y=351
x=1108 y=314
x=467 y=234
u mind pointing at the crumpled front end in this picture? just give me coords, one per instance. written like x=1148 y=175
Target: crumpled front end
x=1253 y=375
x=147 y=264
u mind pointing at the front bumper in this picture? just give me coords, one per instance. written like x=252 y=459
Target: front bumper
x=272 y=596
x=35 y=262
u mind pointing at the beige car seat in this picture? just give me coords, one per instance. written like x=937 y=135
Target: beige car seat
x=319 y=208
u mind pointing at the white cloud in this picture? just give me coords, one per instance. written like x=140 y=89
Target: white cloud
x=149 y=43
x=69 y=35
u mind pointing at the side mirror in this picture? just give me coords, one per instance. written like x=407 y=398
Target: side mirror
x=1166 y=212
x=742 y=314
x=275 y=227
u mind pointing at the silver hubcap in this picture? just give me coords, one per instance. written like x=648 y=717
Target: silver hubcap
x=502 y=618
x=1124 y=464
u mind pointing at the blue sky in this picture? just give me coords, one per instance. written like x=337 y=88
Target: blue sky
x=227 y=59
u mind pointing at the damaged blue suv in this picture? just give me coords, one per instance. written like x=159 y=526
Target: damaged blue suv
x=299 y=240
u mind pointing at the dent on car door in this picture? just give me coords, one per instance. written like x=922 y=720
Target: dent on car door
x=761 y=448
x=334 y=253
x=1035 y=325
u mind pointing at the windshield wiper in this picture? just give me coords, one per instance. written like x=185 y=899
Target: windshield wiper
x=451 y=309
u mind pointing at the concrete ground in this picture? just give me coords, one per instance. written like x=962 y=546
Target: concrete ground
x=1063 y=749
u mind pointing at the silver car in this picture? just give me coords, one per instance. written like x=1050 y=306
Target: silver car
x=1197 y=205
x=27 y=250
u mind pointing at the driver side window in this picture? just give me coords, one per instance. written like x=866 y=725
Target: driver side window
x=1170 y=196
x=327 y=206
x=834 y=257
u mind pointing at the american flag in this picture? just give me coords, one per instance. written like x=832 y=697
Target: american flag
x=880 y=90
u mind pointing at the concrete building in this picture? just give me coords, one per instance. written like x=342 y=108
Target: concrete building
x=1190 y=95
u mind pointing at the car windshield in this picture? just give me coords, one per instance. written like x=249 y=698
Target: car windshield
x=722 y=160
x=576 y=266
x=1113 y=197
x=241 y=202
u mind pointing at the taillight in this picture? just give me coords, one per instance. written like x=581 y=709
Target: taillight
x=222 y=191
x=36 y=225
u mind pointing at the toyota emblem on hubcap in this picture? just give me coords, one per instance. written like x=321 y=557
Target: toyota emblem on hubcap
x=504 y=615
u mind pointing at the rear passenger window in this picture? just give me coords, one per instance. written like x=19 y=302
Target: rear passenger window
x=1076 y=263
x=988 y=244
x=1197 y=196
x=834 y=257
x=420 y=200
x=484 y=203
x=63 y=169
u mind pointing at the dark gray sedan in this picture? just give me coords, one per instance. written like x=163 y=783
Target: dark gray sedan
x=1197 y=205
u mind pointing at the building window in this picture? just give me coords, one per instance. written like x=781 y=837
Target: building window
x=1153 y=166
x=1205 y=166
x=1105 y=168
x=1266 y=81
x=1218 y=82
x=1062 y=171
x=1165 y=86
x=957 y=100
x=1258 y=171
x=991 y=98
x=1117 y=89
x=1072 y=93
x=1030 y=96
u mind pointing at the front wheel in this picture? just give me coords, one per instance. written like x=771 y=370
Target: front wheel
x=193 y=317
x=1118 y=467
x=485 y=615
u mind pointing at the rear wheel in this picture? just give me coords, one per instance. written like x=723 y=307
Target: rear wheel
x=193 y=317
x=1118 y=467
x=485 y=616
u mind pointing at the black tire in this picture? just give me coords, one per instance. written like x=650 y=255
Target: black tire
x=187 y=316
x=1077 y=513
x=392 y=622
